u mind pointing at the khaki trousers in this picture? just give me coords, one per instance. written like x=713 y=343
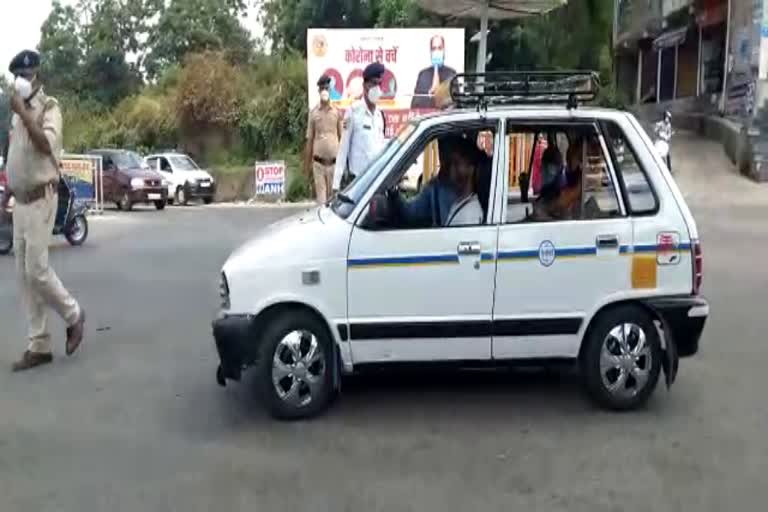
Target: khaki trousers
x=323 y=175
x=40 y=287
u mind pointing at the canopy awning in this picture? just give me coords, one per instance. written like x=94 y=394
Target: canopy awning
x=671 y=38
x=485 y=10
x=496 y=9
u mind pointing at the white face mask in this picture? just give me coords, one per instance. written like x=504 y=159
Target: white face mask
x=325 y=95
x=23 y=87
x=374 y=94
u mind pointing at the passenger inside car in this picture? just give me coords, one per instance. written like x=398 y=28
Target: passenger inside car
x=560 y=197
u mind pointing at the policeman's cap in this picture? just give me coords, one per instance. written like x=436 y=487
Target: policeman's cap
x=324 y=81
x=371 y=71
x=27 y=60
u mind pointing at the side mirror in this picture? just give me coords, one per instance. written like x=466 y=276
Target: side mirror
x=380 y=213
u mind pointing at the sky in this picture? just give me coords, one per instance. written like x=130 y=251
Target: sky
x=20 y=29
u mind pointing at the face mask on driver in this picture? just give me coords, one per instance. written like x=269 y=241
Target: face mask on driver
x=325 y=95
x=374 y=94
x=23 y=87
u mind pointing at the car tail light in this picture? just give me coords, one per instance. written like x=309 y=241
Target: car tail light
x=698 y=266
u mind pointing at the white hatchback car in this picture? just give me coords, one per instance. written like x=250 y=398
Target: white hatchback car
x=600 y=265
x=186 y=181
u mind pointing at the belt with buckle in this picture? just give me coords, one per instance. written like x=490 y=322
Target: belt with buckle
x=34 y=194
x=324 y=161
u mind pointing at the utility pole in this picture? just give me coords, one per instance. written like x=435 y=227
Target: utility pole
x=726 y=60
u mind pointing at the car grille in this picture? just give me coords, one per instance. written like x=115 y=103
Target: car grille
x=152 y=183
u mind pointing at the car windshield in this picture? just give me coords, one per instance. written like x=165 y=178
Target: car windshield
x=346 y=200
x=128 y=160
x=183 y=163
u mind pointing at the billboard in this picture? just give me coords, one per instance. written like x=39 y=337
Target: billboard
x=416 y=60
x=270 y=179
x=80 y=173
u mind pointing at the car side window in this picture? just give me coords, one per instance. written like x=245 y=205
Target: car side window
x=108 y=164
x=165 y=165
x=559 y=173
x=445 y=182
x=640 y=195
x=152 y=163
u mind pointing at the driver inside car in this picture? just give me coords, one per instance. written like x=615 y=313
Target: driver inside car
x=450 y=199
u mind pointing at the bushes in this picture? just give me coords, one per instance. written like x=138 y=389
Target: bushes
x=259 y=110
x=275 y=110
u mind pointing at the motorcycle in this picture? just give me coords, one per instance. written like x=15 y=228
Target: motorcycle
x=70 y=220
x=663 y=144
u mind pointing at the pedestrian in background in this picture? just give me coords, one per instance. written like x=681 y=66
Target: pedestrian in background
x=323 y=135
x=364 y=127
x=33 y=177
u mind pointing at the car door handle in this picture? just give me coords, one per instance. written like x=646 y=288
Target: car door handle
x=607 y=241
x=466 y=248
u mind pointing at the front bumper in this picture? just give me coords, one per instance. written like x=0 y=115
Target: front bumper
x=198 y=191
x=683 y=320
x=235 y=344
x=148 y=195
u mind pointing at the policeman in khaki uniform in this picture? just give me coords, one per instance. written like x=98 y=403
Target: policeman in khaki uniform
x=323 y=135
x=33 y=176
x=364 y=127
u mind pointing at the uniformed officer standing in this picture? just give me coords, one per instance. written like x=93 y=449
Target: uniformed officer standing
x=323 y=134
x=364 y=124
x=33 y=176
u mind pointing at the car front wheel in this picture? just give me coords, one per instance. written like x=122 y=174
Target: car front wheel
x=622 y=358
x=294 y=368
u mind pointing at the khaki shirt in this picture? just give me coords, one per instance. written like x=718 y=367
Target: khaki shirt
x=325 y=124
x=27 y=167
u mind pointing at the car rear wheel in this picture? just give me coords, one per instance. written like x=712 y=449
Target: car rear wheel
x=160 y=205
x=295 y=366
x=207 y=200
x=622 y=358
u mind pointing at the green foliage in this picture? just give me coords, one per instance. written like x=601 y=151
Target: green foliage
x=194 y=26
x=286 y=21
x=209 y=91
x=276 y=111
x=297 y=187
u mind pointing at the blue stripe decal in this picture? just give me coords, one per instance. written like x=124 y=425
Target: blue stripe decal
x=502 y=255
x=404 y=260
x=576 y=251
x=518 y=255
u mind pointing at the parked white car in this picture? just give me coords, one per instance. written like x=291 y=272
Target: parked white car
x=186 y=181
x=608 y=282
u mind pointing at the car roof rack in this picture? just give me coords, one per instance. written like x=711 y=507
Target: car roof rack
x=482 y=90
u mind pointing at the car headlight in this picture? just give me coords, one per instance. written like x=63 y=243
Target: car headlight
x=224 y=291
x=137 y=183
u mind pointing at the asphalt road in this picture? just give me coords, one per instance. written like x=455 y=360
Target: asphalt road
x=135 y=421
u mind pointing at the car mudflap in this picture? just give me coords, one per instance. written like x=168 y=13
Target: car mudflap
x=671 y=361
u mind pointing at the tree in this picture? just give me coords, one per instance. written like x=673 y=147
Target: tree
x=60 y=46
x=194 y=26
